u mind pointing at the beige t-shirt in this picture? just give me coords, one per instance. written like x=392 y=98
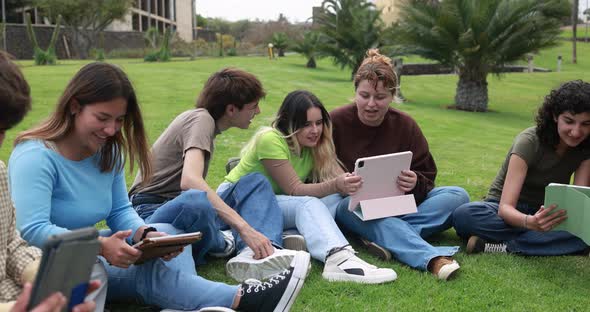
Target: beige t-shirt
x=192 y=129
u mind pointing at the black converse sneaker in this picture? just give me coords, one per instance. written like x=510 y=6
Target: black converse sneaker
x=477 y=245
x=278 y=293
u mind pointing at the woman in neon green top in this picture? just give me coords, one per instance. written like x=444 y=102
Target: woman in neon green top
x=298 y=149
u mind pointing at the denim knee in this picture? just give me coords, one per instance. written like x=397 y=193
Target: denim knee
x=256 y=179
x=198 y=204
x=460 y=193
x=463 y=219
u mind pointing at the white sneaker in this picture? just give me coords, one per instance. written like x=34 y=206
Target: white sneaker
x=244 y=266
x=294 y=241
x=343 y=265
x=230 y=245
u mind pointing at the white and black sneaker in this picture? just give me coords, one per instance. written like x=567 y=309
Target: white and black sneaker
x=244 y=266
x=343 y=265
x=477 y=244
x=230 y=245
x=278 y=293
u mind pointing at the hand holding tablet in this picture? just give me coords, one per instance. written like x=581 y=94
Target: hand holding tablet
x=155 y=247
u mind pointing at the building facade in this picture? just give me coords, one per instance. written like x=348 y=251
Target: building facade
x=389 y=10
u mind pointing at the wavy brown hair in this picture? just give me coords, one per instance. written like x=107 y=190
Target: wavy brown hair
x=374 y=68
x=94 y=83
x=15 y=94
x=572 y=96
x=229 y=86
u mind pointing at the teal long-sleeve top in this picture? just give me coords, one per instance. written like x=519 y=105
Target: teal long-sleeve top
x=53 y=194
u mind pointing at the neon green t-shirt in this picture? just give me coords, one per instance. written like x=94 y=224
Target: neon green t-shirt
x=271 y=145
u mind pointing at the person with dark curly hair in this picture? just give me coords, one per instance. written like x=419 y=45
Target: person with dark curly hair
x=512 y=217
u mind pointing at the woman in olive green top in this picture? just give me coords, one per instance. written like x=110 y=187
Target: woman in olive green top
x=512 y=217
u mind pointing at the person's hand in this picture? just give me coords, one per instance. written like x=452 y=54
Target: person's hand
x=53 y=303
x=407 y=180
x=348 y=183
x=116 y=250
x=545 y=219
x=169 y=256
x=259 y=243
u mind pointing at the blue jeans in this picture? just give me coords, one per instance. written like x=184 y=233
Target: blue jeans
x=251 y=197
x=254 y=199
x=482 y=219
x=190 y=212
x=170 y=284
x=314 y=221
x=404 y=235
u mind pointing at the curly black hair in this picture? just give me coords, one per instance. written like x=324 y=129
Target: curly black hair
x=572 y=96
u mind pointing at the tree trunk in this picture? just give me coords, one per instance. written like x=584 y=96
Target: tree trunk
x=81 y=43
x=575 y=31
x=311 y=63
x=472 y=93
x=281 y=52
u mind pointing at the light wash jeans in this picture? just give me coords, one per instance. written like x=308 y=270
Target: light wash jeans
x=404 y=235
x=311 y=217
x=170 y=284
x=481 y=219
x=251 y=197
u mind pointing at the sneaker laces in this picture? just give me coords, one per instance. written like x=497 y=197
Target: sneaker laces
x=489 y=247
x=255 y=285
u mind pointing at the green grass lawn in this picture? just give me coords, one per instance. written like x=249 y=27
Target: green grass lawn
x=468 y=148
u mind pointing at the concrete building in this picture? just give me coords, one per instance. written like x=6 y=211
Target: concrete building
x=389 y=10
x=160 y=14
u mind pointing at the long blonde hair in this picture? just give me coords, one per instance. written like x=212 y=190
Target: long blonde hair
x=291 y=117
x=94 y=83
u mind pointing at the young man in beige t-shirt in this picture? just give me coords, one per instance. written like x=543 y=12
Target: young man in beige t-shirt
x=178 y=193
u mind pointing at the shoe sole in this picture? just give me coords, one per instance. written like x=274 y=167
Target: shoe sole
x=448 y=271
x=376 y=250
x=344 y=277
x=259 y=269
x=301 y=265
x=294 y=242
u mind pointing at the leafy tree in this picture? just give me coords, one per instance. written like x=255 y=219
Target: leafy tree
x=349 y=28
x=308 y=47
x=280 y=41
x=479 y=37
x=201 y=21
x=86 y=18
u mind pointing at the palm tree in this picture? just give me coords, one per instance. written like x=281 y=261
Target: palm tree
x=280 y=41
x=349 y=28
x=308 y=47
x=479 y=37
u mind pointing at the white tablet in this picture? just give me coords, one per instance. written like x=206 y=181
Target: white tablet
x=379 y=175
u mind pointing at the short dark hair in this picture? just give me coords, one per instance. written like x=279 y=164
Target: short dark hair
x=229 y=86
x=572 y=96
x=15 y=94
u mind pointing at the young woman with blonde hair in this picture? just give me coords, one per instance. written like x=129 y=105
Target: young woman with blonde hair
x=299 y=149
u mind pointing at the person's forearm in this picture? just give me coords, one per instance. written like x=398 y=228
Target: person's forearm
x=512 y=216
x=286 y=178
